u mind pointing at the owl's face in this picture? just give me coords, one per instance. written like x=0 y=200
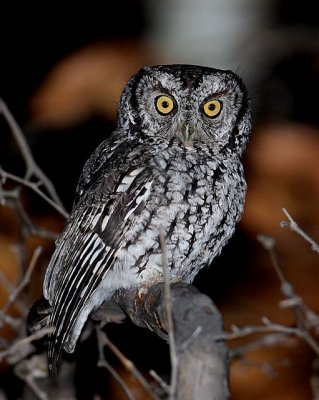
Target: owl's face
x=187 y=106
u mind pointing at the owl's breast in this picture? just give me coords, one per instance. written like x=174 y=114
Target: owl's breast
x=196 y=203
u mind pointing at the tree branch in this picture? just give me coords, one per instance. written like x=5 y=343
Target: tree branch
x=202 y=356
x=292 y=300
x=35 y=187
x=32 y=168
x=25 y=280
x=271 y=327
x=102 y=363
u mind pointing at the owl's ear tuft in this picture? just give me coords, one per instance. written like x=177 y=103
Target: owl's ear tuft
x=126 y=111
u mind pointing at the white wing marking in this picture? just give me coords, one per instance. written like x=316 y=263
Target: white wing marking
x=105 y=221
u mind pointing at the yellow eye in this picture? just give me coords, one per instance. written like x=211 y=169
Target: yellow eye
x=164 y=104
x=212 y=108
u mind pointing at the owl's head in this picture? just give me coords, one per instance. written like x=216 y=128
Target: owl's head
x=188 y=106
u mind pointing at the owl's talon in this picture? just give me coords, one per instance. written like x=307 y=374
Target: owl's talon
x=141 y=292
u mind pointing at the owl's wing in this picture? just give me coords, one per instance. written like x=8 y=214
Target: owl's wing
x=114 y=197
x=105 y=156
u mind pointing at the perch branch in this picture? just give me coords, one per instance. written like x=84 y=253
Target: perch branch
x=201 y=351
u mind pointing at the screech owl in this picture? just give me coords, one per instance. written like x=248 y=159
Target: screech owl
x=172 y=164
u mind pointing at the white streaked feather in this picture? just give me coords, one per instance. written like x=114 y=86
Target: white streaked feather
x=130 y=212
x=116 y=277
x=139 y=199
x=105 y=221
x=96 y=254
x=92 y=253
x=144 y=196
x=98 y=264
x=88 y=241
x=95 y=220
x=136 y=171
x=121 y=188
x=128 y=180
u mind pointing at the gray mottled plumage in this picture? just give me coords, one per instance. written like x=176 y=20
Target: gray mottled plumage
x=168 y=166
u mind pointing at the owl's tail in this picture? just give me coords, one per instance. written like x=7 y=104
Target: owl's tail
x=55 y=349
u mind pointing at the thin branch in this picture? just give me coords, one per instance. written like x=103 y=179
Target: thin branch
x=14 y=293
x=30 y=370
x=191 y=339
x=32 y=167
x=294 y=301
x=102 y=363
x=6 y=319
x=38 y=392
x=26 y=279
x=25 y=341
x=129 y=365
x=293 y=226
x=170 y=323
x=35 y=187
x=12 y=198
x=9 y=287
x=270 y=327
x=15 y=323
x=267 y=341
x=164 y=386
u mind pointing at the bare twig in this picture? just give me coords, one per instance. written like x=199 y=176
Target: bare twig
x=35 y=187
x=14 y=293
x=29 y=380
x=12 y=198
x=271 y=327
x=6 y=284
x=6 y=319
x=26 y=279
x=18 y=353
x=293 y=226
x=29 y=371
x=32 y=168
x=129 y=365
x=102 y=363
x=25 y=341
x=168 y=305
x=292 y=300
x=164 y=386
x=190 y=340
x=269 y=340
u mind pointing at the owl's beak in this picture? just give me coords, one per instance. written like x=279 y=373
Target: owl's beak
x=187 y=134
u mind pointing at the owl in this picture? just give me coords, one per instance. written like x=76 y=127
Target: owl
x=173 y=164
